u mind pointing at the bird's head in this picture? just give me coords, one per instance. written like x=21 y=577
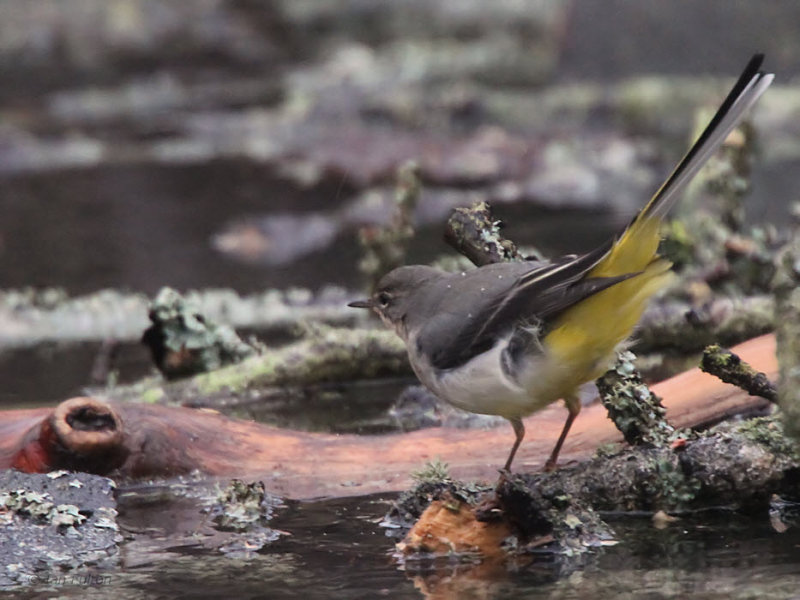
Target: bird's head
x=396 y=293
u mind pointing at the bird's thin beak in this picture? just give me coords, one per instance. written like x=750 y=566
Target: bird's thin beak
x=361 y=304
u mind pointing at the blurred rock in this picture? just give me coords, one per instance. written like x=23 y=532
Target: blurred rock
x=58 y=526
x=183 y=341
x=98 y=34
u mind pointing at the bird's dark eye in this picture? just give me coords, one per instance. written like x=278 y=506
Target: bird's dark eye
x=383 y=299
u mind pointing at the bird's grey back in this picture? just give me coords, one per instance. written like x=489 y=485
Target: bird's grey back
x=447 y=312
x=456 y=317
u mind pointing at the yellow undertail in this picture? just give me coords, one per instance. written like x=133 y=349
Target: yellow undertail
x=584 y=337
x=582 y=340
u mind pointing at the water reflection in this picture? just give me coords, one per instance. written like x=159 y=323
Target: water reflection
x=334 y=549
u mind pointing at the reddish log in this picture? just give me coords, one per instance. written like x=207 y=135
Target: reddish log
x=131 y=441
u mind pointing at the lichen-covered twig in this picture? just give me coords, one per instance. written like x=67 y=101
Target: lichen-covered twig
x=183 y=341
x=726 y=365
x=635 y=410
x=736 y=465
x=385 y=246
x=474 y=232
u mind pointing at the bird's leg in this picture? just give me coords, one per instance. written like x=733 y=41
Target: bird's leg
x=574 y=407
x=519 y=432
x=489 y=509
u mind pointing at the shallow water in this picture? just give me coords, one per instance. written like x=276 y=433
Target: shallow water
x=335 y=549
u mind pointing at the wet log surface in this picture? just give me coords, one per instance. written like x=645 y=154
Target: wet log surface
x=164 y=441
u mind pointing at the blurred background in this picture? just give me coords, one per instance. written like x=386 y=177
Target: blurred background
x=242 y=143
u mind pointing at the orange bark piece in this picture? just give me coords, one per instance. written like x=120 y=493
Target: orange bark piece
x=449 y=526
x=164 y=441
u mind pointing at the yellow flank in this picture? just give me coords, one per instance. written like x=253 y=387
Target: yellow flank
x=584 y=337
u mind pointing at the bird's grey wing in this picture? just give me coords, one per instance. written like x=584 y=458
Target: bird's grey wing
x=447 y=319
x=534 y=297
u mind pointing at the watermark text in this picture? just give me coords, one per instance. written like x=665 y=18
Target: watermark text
x=80 y=579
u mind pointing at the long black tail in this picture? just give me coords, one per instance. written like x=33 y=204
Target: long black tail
x=751 y=84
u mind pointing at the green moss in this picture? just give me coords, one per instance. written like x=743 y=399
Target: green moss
x=433 y=471
x=235 y=378
x=152 y=396
x=676 y=490
x=731 y=369
x=769 y=432
x=677 y=244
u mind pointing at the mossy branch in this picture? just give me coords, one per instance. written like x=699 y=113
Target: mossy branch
x=726 y=365
x=788 y=335
x=635 y=410
x=325 y=354
x=738 y=466
x=684 y=327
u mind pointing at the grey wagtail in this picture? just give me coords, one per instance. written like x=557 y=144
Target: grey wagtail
x=510 y=338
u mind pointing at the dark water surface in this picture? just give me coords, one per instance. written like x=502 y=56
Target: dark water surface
x=141 y=227
x=335 y=549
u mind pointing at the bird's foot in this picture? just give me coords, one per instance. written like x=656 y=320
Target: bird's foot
x=490 y=509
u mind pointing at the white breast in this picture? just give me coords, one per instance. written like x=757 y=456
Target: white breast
x=480 y=385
